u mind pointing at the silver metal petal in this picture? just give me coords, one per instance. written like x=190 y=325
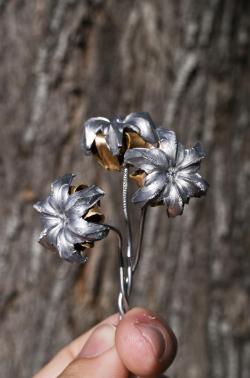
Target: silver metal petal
x=65 y=248
x=65 y=179
x=191 y=169
x=49 y=221
x=91 y=127
x=60 y=196
x=88 y=230
x=186 y=189
x=115 y=136
x=147 y=159
x=197 y=185
x=142 y=124
x=45 y=243
x=81 y=201
x=45 y=207
x=60 y=191
x=48 y=237
x=180 y=154
x=153 y=185
x=71 y=236
x=173 y=201
x=191 y=156
x=167 y=142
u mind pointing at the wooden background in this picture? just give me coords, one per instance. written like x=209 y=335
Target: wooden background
x=187 y=63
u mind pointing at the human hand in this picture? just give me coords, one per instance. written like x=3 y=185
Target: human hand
x=139 y=343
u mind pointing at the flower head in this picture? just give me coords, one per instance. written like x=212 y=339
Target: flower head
x=168 y=174
x=109 y=139
x=70 y=217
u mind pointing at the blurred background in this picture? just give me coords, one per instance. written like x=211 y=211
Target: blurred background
x=185 y=62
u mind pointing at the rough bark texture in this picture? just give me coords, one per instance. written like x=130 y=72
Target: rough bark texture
x=187 y=63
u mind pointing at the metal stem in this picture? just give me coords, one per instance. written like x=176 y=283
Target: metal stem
x=123 y=305
x=139 y=245
x=129 y=232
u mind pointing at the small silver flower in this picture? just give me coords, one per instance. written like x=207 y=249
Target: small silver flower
x=169 y=173
x=109 y=139
x=70 y=215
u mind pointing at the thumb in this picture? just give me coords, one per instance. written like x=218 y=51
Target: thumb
x=98 y=358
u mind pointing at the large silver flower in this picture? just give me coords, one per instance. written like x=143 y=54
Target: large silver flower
x=168 y=174
x=70 y=217
x=109 y=139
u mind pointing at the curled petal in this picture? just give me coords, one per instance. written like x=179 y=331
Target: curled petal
x=142 y=124
x=64 y=247
x=49 y=221
x=147 y=159
x=48 y=237
x=173 y=201
x=96 y=231
x=153 y=185
x=72 y=237
x=196 y=184
x=191 y=169
x=60 y=191
x=60 y=196
x=180 y=154
x=67 y=250
x=66 y=179
x=115 y=136
x=191 y=156
x=92 y=127
x=79 y=202
x=167 y=142
x=88 y=230
x=45 y=207
x=45 y=243
x=185 y=189
x=104 y=155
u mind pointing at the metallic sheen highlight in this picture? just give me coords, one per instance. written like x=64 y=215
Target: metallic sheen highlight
x=71 y=216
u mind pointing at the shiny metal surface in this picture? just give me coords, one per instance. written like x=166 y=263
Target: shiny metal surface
x=165 y=171
x=109 y=139
x=129 y=251
x=66 y=219
x=171 y=173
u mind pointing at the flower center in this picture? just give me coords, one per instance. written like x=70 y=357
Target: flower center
x=171 y=171
x=63 y=218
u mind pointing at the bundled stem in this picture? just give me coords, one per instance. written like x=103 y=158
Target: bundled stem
x=122 y=298
x=131 y=261
x=129 y=231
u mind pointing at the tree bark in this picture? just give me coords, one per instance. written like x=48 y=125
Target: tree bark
x=187 y=63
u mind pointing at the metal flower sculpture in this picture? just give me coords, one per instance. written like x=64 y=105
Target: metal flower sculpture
x=166 y=172
x=109 y=139
x=169 y=173
x=71 y=217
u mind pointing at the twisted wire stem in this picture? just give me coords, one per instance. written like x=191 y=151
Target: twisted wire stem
x=123 y=297
x=129 y=231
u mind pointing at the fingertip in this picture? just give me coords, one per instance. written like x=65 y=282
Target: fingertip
x=145 y=343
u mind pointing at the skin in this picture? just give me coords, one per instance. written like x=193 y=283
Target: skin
x=139 y=345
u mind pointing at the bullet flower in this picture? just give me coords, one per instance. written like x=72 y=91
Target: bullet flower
x=168 y=174
x=109 y=139
x=71 y=218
